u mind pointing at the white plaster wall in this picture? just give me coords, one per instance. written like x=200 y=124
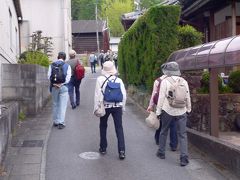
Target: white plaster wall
x=220 y=16
x=48 y=16
x=9 y=51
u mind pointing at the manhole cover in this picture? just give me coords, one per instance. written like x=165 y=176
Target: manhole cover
x=32 y=143
x=89 y=155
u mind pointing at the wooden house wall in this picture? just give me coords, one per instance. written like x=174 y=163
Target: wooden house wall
x=224 y=29
x=86 y=42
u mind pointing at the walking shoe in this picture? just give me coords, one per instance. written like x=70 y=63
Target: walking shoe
x=77 y=104
x=184 y=161
x=157 y=142
x=61 y=126
x=160 y=155
x=102 y=151
x=74 y=106
x=121 y=155
x=173 y=149
x=55 y=124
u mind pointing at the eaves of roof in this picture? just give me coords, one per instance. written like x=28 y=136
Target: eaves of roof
x=18 y=8
x=88 y=26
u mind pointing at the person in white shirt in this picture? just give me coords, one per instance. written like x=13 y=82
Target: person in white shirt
x=59 y=91
x=92 y=61
x=114 y=108
x=167 y=113
x=152 y=105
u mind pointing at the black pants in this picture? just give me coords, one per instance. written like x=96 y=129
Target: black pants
x=116 y=113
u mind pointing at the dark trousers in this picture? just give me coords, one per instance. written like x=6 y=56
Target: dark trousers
x=116 y=113
x=173 y=134
x=74 y=84
x=93 y=67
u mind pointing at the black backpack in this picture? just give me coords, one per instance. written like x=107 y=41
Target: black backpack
x=57 y=75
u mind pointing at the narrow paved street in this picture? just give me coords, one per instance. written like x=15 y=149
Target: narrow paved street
x=82 y=135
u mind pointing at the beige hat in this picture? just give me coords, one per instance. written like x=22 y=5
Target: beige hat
x=72 y=53
x=109 y=68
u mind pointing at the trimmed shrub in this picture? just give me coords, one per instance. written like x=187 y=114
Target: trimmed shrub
x=188 y=36
x=34 y=57
x=233 y=81
x=147 y=45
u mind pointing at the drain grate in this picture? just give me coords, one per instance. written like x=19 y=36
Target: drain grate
x=32 y=143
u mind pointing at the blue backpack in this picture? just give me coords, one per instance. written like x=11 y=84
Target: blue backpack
x=112 y=92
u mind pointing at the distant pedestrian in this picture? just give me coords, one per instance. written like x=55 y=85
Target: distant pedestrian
x=152 y=104
x=101 y=58
x=113 y=107
x=74 y=83
x=115 y=59
x=59 y=74
x=92 y=61
x=174 y=104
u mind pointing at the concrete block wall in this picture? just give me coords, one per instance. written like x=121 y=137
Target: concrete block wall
x=27 y=84
x=8 y=121
x=225 y=153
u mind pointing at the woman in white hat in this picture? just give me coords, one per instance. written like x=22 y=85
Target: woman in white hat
x=115 y=108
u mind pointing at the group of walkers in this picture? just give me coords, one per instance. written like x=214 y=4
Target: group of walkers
x=172 y=106
x=64 y=83
x=101 y=58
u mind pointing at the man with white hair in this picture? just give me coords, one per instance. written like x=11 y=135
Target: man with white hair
x=74 y=83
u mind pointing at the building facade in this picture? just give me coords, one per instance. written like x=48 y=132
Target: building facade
x=85 y=36
x=10 y=15
x=53 y=18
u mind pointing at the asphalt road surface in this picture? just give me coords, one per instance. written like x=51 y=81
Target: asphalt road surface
x=72 y=153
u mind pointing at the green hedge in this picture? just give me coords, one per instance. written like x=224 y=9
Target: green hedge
x=34 y=57
x=148 y=44
x=188 y=36
x=233 y=81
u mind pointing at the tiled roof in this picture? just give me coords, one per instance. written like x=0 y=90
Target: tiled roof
x=87 y=26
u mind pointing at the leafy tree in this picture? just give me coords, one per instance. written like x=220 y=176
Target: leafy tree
x=107 y=9
x=112 y=10
x=148 y=3
x=83 y=9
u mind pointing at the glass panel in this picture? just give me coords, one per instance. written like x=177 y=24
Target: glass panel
x=173 y=56
x=202 y=56
x=233 y=52
x=180 y=58
x=216 y=57
x=191 y=57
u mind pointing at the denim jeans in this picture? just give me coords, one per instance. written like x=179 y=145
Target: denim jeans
x=117 y=118
x=173 y=134
x=59 y=99
x=74 y=84
x=181 y=129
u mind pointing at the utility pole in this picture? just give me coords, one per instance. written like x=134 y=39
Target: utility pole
x=96 y=14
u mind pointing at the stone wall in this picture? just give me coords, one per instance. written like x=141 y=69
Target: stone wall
x=27 y=84
x=229 y=111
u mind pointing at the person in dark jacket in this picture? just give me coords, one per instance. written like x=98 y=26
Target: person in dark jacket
x=74 y=84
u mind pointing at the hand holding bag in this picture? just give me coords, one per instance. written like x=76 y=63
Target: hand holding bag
x=152 y=121
x=100 y=110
